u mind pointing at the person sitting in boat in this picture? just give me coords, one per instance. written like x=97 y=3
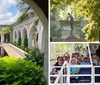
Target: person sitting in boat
x=85 y=61
x=58 y=63
x=74 y=70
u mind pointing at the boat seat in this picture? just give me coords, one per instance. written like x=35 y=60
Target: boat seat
x=85 y=79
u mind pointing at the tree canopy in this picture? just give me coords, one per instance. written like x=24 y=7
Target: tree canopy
x=6 y=30
x=23 y=9
x=24 y=12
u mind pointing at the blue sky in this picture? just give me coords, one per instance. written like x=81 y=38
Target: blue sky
x=13 y=8
x=8 y=11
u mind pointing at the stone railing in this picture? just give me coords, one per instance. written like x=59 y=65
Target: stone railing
x=20 y=51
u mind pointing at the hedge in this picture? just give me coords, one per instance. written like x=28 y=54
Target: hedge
x=14 y=71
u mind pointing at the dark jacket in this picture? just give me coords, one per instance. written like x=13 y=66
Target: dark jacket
x=98 y=52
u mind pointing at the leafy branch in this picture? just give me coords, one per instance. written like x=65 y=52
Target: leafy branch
x=6 y=30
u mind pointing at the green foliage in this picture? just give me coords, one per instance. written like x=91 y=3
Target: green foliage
x=78 y=30
x=55 y=3
x=14 y=71
x=23 y=9
x=22 y=47
x=19 y=41
x=80 y=47
x=20 y=4
x=22 y=17
x=77 y=22
x=90 y=9
x=25 y=44
x=6 y=30
x=14 y=43
x=26 y=49
x=55 y=29
x=92 y=33
x=37 y=57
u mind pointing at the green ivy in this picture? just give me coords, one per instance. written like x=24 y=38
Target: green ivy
x=14 y=71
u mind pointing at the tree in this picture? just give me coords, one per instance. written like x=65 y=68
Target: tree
x=90 y=9
x=24 y=10
x=6 y=30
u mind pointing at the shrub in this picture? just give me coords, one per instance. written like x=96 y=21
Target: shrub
x=26 y=49
x=19 y=41
x=37 y=57
x=17 y=45
x=30 y=52
x=14 y=71
x=22 y=47
x=14 y=42
x=25 y=44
